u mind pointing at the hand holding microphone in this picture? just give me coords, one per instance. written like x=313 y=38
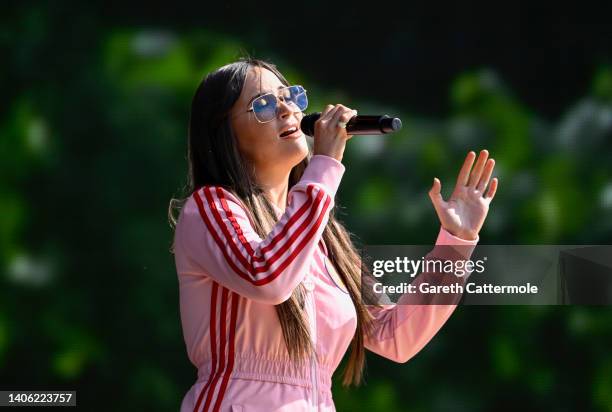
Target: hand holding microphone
x=345 y=120
x=329 y=130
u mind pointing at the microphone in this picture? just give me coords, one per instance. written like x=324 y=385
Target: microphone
x=358 y=125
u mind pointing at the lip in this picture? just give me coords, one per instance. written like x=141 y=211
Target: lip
x=293 y=136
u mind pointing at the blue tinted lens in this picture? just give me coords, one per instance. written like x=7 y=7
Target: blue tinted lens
x=264 y=107
x=297 y=95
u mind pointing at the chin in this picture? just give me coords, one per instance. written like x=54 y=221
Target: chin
x=297 y=151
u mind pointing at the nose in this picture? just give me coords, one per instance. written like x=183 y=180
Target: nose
x=284 y=109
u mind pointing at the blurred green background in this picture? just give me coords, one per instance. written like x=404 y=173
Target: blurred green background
x=93 y=142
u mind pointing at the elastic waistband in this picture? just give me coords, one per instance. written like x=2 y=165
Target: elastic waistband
x=271 y=370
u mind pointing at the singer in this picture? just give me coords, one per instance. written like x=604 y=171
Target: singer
x=269 y=280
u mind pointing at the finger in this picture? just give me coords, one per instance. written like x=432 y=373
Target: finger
x=347 y=114
x=435 y=193
x=344 y=116
x=329 y=113
x=336 y=117
x=486 y=175
x=492 y=189
x=327 y=120
x=464 y=173
x=323 y=121
x=326 y=110
x=477 y=172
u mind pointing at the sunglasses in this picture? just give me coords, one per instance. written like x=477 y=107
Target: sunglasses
x=265 y=107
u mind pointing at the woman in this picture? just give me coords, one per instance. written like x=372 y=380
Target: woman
x=269 y=279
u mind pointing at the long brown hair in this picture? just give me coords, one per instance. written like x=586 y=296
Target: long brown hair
x=214 y=159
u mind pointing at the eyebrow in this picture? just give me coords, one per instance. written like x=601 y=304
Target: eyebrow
x=262 y=93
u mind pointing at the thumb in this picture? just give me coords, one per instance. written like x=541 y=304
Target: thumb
x=434 y=192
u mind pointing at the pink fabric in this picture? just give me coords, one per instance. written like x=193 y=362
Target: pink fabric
x=230 y=279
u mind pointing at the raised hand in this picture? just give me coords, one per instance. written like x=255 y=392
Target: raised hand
x=465 y=211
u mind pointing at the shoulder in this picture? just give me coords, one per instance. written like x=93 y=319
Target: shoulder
x=211 y=202
x=213 y=194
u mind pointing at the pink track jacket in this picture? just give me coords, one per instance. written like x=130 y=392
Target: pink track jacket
x=230 y=280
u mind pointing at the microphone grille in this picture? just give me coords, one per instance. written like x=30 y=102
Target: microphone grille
x=307 y=123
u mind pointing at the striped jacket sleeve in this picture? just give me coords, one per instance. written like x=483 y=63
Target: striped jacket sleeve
x=215 y=238
x=401 y=330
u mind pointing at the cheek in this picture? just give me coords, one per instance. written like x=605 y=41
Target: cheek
x=255 y=141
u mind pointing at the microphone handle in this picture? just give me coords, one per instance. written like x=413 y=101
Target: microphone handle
x=371 y=125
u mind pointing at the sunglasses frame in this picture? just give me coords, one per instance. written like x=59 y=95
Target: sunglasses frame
x=277 y=101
